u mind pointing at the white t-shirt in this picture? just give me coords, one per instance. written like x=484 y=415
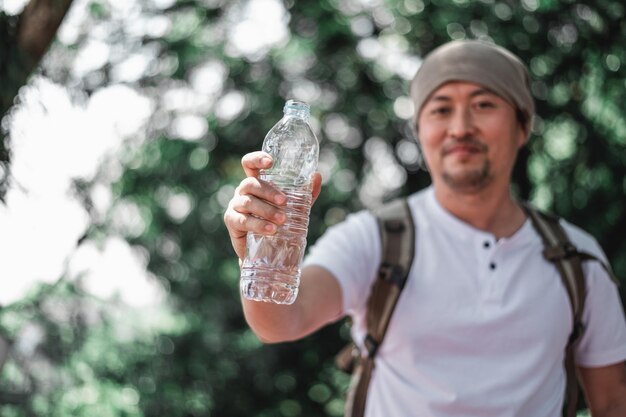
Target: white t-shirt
x=481 y=326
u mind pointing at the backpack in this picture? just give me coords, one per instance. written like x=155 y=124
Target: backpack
x=397 y=232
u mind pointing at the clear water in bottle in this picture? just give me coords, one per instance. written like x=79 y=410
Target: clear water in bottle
x=271 y=268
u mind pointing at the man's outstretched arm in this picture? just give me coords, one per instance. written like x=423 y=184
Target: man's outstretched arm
x=257 y=206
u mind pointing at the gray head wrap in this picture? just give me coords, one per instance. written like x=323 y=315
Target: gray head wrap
x=479 y=62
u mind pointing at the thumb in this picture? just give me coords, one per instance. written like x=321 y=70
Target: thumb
x=316 y=181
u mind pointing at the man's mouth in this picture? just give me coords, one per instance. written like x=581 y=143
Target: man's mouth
x=466 y=147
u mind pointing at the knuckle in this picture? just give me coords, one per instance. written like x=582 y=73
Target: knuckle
x=245 y=159
x=247 y=184
x=243 y=222
x=246 y=202
x=229 y=219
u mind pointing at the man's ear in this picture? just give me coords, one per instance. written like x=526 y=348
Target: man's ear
x=525 y=123
x=522 y=133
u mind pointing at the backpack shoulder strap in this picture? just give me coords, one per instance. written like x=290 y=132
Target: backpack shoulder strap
x=397 y=234
x=559 y=250
x=397 y=237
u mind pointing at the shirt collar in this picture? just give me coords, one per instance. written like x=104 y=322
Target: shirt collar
x=452 y=224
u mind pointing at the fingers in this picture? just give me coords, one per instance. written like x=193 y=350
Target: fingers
x=259 y=200
x=261 y=190
x=257 y=203
x=240 y=223
x=255 y=207
x=253 y=162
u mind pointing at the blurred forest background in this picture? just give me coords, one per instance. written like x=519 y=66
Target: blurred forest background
x=121 y=148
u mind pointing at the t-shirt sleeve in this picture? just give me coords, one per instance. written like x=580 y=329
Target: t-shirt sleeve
x=604 y=338
x=350 y=251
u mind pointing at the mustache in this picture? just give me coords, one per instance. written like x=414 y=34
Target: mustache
x=466 y=141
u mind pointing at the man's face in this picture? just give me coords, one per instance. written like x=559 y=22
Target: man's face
x=469 y=136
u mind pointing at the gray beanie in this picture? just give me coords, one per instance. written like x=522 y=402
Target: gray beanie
x=479 y=62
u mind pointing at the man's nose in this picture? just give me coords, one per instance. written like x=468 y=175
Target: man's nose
x=462 y=123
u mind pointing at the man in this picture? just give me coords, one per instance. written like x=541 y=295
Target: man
x=482 y=323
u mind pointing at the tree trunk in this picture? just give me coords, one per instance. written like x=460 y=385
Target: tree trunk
x=23 y=42
x=38 y=25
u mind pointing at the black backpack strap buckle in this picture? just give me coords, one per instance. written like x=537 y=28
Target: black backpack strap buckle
x=394 y=225
x=371 y=345
x=563 y=250
x=391 y=273
x=577 y=331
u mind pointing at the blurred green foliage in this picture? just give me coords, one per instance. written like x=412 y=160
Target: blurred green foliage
x=199 y=358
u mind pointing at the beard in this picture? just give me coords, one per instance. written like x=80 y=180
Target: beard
x=469 y=181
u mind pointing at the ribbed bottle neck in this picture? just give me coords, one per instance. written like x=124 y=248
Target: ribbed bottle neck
x=298 y=109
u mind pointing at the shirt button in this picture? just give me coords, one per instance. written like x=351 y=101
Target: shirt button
x=486 y=244
x=492 y=266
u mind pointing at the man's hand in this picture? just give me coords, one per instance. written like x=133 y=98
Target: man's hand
x=257 y=206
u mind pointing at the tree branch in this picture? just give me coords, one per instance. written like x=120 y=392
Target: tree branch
x=22 y=48
x=38 y=25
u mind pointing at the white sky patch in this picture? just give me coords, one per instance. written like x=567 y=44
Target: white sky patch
x=132 y=68
x=230 y=106
x=395 y=56
x=163 y=4
x=257 y=27
x=55 y=142
x=124 y=7
x=224 y=194
x=385 y=175
x=408 y=152
x=127 y=219
x=39 y=230
x=38 y=151
x=29 y=337
x=306 y=90
x=189 y=127
x=13 y=7
x=125 y=109
x=388 y=172
x=362 y=26
x=209 y=77
x=92 y=56
x=403 y=107
x=152 y=26
x=178 y=206
x=327 y=165
x=102 y=199
x=369 y=48
x=115 y=270
x=180 y=97
x=390 y=51
x=338 y=129
x=70 y=31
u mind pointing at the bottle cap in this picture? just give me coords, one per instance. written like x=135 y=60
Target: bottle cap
x=297 y=108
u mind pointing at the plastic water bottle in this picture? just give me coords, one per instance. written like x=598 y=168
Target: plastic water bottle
x=270 y=271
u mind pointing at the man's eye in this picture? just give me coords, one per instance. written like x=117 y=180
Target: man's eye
x=485 y=105
x=440 y=110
